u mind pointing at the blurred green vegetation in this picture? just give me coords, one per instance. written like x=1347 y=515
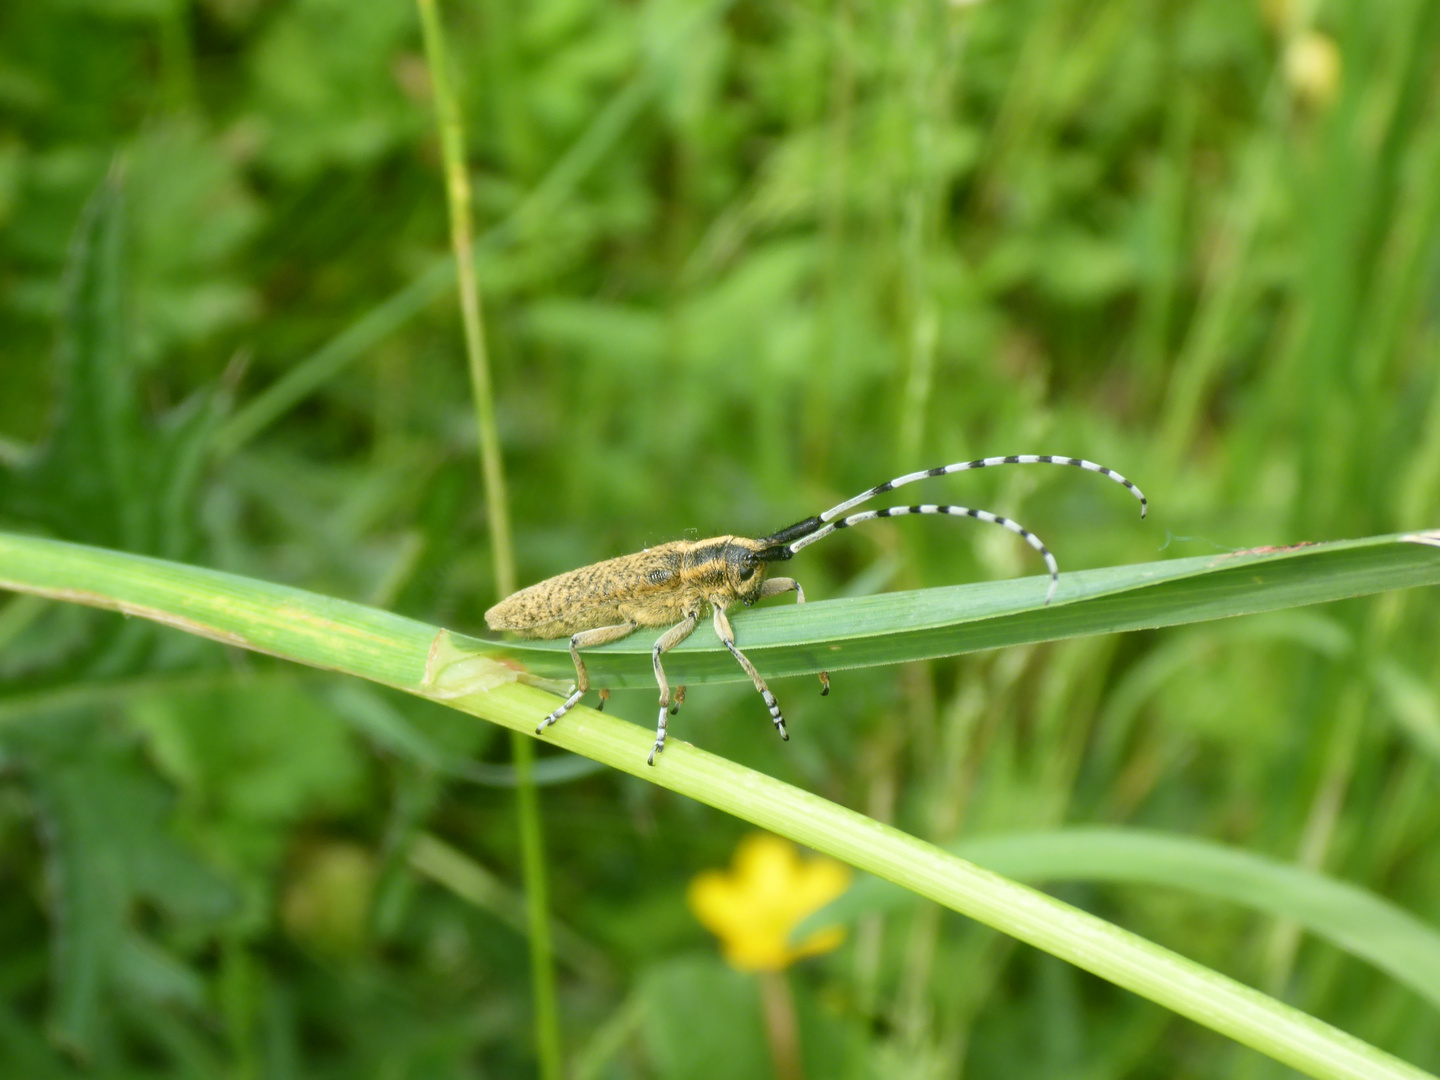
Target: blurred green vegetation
x=751 y=259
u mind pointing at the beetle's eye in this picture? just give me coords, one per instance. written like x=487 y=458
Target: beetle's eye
x=747 y=573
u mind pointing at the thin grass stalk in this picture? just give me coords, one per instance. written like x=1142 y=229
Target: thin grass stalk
x=457 y=194
x=532 y=841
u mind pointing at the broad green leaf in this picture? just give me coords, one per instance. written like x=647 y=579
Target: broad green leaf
x=191 y=215
x=321 y=71
x=85 y=481
x=255 y=757
x=103 y=474
x=107 y=827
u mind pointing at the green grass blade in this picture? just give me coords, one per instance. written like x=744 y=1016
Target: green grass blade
x=787 y=639
x=1357 y=921
x=389 y=649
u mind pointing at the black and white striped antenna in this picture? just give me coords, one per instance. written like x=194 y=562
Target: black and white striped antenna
x=785 y=543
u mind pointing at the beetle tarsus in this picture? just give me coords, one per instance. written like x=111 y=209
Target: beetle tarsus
x=568 y=704
x=659 y=746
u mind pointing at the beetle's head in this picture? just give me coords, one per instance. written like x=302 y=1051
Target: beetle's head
x=746 y=564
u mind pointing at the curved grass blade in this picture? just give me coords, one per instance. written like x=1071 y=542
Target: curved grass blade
x=389 y=649
x=1361 y=923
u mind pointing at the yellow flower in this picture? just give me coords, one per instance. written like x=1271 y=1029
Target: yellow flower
x=768 y=890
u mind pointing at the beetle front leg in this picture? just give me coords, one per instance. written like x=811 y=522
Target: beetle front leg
x=668 y=640
x=776 y=586
x=727 y=638
x=583 y=640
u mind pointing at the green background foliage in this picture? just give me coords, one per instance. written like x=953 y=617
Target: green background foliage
x=740 y=262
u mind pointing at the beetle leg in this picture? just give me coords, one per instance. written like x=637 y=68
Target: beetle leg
x=668 y=640
x=777 y=585
x=678 y=700
x=584 y=640
x=727 y=638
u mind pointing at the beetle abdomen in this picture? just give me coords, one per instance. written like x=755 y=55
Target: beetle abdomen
x=638 y=588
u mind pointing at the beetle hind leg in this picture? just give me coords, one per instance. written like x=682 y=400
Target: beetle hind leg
x=584 y=640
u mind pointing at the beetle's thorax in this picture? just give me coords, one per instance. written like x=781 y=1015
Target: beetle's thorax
x=721 y=570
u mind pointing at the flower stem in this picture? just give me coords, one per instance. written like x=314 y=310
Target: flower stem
x=782 y=1030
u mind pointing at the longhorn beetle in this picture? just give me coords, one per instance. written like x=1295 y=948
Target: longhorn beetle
x=672 y=584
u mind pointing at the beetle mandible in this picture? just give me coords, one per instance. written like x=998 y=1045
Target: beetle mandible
x=673 y=584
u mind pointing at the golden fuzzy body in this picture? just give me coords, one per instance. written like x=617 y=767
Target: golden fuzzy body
x=659 y=586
